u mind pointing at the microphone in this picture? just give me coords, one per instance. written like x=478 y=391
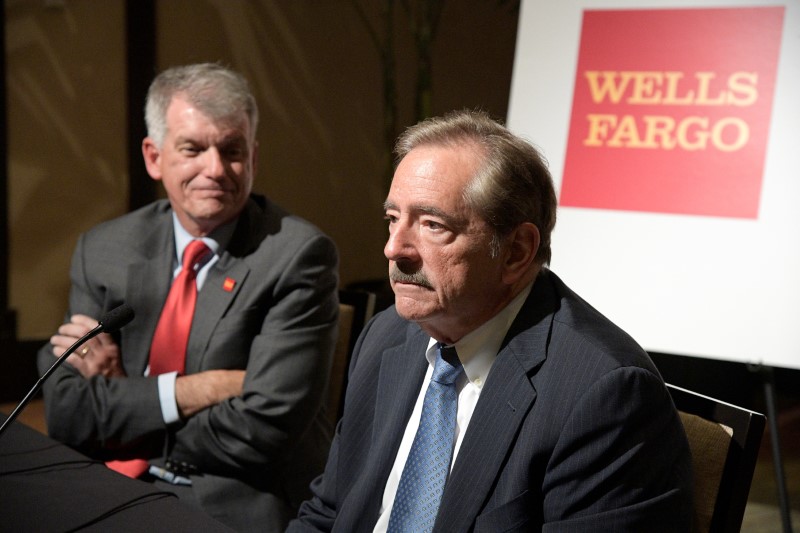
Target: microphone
x=114 y=320
x=110 y=322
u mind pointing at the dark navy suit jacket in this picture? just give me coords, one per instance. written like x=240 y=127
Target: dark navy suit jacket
x=574 y=430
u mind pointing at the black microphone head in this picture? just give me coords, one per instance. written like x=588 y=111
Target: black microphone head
x=117 y=318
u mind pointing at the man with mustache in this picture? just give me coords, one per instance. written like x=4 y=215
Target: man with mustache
x=216 y=400
x=491 y=397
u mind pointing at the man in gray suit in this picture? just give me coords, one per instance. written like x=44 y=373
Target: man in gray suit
x=239 y=431
x=557 y=421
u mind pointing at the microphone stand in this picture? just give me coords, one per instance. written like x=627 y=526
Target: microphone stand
x=28 y=397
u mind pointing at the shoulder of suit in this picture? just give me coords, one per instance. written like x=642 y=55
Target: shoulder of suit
x=268 y=222
x=389 y=328
x=582 y=323
x=137 y=221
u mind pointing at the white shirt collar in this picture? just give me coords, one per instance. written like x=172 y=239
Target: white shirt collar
x=478 y=349
x=217 y=240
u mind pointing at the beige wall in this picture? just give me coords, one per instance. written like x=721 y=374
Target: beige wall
x=66 y=138
x=317 y=78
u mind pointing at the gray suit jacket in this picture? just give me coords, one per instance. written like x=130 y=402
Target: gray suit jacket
x=574 y=430
x=254 y=454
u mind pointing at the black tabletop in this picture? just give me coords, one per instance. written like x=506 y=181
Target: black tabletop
x=46 y=486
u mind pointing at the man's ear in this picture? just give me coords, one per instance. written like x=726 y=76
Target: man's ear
x=152 y=158
x=521 y=247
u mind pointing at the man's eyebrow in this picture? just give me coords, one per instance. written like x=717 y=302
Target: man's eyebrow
x=433 y=211
x=417 y=208
x=225 y=140
x=185 y=139
x=448 y=218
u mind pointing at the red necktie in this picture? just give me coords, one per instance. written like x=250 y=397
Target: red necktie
x=168 y=350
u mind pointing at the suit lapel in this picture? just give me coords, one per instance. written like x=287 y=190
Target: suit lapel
x=503 y=406
x=221 y=286
x=149 y=279
x=402 y=370
x=397 y=394
x=223 y=283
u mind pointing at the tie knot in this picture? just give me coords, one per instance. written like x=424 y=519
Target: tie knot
x=447 y=367
x=193 y=253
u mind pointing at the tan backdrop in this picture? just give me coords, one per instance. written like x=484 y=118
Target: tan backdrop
x=317 y=77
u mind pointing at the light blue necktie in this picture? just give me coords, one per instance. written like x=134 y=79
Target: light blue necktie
x=428 y=465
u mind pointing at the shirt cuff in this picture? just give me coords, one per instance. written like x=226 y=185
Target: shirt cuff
x=166 y=395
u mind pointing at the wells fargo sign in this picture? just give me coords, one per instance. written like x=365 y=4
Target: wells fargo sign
x=671 y=110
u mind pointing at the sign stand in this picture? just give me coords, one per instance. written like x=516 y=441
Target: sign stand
x=767 y=375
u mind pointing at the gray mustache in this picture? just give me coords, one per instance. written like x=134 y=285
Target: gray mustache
x=417 y=278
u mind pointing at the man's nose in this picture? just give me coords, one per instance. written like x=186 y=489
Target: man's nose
x=214 y=164
x=401 y=244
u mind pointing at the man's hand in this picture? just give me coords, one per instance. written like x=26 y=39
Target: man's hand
x=97 y=356
x=196 y=392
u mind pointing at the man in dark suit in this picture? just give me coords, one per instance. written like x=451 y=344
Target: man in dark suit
x=239 y=430
x=561 y=422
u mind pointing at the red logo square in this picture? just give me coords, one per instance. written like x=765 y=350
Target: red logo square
x=671 y=110
x=228 y=284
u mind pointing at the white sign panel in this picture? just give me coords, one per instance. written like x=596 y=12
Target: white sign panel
x=672 y=130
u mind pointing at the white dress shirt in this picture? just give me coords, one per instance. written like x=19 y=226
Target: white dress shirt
x=477 y=352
